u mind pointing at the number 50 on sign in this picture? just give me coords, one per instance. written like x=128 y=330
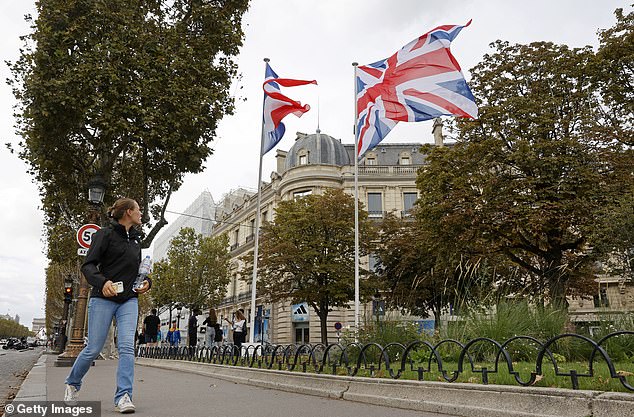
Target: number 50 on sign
x=84 y=237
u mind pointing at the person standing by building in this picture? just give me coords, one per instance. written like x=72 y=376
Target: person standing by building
x=111 y=267
x=192 y=328
x=239 y=326
x=210 y=332
x=173 y=335
x=151 y=325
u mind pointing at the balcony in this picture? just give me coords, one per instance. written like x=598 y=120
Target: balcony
x=234 y=246
x=376 y=214
x=388 y=169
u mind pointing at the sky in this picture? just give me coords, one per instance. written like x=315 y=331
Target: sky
x=308 y=39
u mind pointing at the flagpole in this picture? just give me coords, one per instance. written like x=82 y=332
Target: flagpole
x=256 y=238
x=356 y=211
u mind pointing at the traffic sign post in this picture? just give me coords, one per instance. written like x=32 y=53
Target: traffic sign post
x=84 y=237
x=338 y=329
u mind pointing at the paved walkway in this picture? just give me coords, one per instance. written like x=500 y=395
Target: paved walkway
x=162 y=393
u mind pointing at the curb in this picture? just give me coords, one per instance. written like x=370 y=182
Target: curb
x=466 y=400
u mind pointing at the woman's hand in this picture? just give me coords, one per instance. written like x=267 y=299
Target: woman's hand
x=145 y=288
x=108 y=289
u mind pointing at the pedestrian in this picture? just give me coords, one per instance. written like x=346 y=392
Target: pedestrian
x=111 y=267
x=192 y=328
x=239 y=326
x=210 y=332
x=174 y=335
x=218 y=336
x=151 y=326
x=140 y=337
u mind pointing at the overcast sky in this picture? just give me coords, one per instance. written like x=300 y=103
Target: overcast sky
x=308 y=39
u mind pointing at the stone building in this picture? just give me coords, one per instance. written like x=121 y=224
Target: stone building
x=314 y=163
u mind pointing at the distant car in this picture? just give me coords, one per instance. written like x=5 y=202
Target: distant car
x=3 y=342
x=31 y=341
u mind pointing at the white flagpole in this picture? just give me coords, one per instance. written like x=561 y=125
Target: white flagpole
x=356 y=211
x=256 y=237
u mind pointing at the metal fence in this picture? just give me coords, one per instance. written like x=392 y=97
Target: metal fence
x=419 y=356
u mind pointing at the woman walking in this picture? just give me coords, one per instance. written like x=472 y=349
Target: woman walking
x=111 y=267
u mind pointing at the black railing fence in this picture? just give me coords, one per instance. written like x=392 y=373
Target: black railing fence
x=419 y=356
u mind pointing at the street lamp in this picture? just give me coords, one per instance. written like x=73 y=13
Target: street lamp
x=179 y=308
x=96 y=190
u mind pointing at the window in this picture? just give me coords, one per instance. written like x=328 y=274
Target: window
x=601 y=299
x=409 y=199
x=370 y=161
x=300 y=194
x=375 y=205
x=302 y=333
x=405 y=160
x=251 y=231
x=236 y=236
x=373 y=262
x=303 y=159
x=264 y=216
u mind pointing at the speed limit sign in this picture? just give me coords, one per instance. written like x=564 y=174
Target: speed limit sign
x=84 y=235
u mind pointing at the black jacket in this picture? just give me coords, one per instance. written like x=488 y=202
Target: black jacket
x=114 y=255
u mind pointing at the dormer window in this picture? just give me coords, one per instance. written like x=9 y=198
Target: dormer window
x=370 y=161
x=406 y=160
x=302 y=157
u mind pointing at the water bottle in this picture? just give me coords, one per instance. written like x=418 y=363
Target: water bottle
x=144 y=271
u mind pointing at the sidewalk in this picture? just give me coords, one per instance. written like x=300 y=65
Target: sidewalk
x=170 y=393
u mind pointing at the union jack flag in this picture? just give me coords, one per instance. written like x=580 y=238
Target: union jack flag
x=277 y=106
x=422 y=81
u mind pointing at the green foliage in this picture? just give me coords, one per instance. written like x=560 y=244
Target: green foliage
x=384 y=332
x=196 y=272
x=511 y=319
x=131 y=90
x=526 y=182
x=614 y=75
x=307 y=255
x=9 y=328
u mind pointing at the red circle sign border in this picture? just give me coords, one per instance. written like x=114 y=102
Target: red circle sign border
x=82 y=230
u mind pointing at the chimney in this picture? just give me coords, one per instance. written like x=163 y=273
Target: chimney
x=437 y=132
x=281 y=161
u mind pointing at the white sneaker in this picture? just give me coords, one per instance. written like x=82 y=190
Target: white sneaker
x=71 y=395
x=124 y=405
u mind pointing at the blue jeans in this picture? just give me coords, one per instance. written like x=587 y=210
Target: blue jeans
x=100 y=314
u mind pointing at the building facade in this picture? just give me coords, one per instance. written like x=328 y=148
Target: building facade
x=198 y=216
x=387 y=177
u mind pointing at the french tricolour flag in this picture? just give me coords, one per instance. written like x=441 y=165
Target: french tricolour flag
x=277 y=106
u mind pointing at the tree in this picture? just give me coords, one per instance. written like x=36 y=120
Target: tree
x=127 y=90
x=528 y=178
x=9 y=328
x=307 y=255
x=614 y=77
x=418 y=274
x=196 y=272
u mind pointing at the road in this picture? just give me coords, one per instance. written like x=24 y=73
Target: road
x=14 y=366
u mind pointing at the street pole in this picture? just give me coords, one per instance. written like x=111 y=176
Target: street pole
x=96 y=192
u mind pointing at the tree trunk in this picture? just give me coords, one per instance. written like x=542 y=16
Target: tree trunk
x=323 y=322
x=557 y=283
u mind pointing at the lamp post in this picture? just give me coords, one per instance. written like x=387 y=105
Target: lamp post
x=63 y=326
x=96 y=193
x=178 y=316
